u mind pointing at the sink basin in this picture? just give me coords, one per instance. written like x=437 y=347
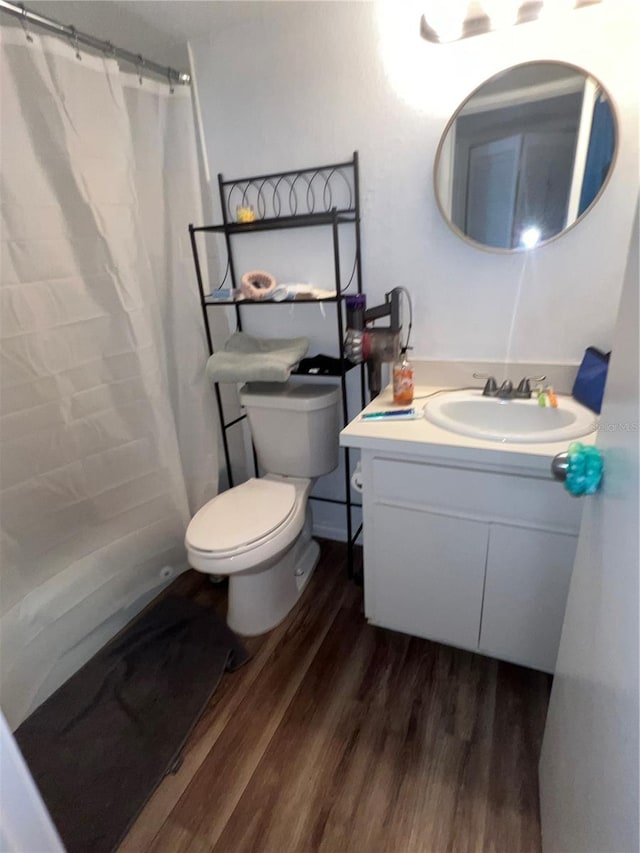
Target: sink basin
x=519 y=421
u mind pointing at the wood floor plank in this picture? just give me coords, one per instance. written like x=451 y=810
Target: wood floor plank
x=201 y=813
x=420 y=779
x=339 y=737
x=293 y=784
x=391 y=759
x=229 y=695
x=521 y=700
x=442 y=798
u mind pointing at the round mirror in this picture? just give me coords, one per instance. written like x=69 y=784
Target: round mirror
x=525 y=156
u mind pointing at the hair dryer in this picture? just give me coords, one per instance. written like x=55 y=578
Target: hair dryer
x=374 y=345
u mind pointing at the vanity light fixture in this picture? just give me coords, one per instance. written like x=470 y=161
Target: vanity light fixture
x=445 y=21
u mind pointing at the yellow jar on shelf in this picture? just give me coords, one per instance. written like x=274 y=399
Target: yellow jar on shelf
x=245 y=213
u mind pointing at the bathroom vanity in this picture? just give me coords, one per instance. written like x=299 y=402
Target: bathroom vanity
x=467 y=541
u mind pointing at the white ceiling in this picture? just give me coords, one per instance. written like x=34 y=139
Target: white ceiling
x=159 y=29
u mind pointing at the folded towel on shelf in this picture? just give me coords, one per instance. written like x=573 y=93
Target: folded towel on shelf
x=248 y=359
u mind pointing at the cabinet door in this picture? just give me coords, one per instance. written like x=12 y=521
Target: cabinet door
x=424 y=574
x=528 y=574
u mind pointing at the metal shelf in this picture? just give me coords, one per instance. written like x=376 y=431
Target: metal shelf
x=211 y=300
x=280 y=223
x=319 y=196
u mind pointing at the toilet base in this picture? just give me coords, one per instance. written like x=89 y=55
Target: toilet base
x=259 y=600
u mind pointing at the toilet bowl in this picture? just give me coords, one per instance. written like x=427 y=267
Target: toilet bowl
x=259 y=533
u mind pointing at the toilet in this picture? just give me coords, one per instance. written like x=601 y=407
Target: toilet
x=259 y=533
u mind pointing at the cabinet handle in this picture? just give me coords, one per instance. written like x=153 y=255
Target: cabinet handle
x=559 y=465
x=580 y=469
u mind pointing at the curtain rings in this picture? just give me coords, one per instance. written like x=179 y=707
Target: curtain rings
x=170 y=79
x=73 y=38
x=23 y=22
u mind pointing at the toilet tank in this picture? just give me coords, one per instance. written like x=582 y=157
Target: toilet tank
x=294 y=426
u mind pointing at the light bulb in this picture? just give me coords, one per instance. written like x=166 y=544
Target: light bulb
x=446 y=19
x=502 y=13
x=530 y=237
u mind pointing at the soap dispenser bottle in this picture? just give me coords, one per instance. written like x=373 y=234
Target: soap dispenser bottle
x=403 y=380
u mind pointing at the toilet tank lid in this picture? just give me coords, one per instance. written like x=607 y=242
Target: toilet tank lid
x=242 y=515
x=293 y=396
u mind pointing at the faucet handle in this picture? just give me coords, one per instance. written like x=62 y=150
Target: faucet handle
x=524 y=386
x=491 y=386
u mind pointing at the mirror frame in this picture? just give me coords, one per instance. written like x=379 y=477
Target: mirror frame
x=520 y=249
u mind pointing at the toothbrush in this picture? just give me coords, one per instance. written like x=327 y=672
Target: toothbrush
x=392 y=414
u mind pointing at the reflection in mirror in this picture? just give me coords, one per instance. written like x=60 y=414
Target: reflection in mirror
x=525 y=156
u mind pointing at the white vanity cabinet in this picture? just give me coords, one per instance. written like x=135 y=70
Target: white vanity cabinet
x=525 y=593
x=424 y=573
x=472 y=555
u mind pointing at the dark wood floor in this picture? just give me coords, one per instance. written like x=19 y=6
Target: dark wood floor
x=340 y=737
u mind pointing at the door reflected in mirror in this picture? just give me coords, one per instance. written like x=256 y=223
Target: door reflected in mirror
x=526 y=156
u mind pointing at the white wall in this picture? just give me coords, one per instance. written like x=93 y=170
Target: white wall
x=294 y=84
x=288 y=84
x=589 y=774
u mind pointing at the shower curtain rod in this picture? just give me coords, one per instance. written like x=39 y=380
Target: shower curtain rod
x=77 y=38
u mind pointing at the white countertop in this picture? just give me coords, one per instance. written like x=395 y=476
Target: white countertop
x=421 y=438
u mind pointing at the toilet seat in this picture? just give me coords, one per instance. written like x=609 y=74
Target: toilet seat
x=242 y=517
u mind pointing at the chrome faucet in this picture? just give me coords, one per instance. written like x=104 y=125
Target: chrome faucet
x=491 y=387
x=524 y=391
x=506 y=391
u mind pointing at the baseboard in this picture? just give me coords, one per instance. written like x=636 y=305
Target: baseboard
x=329 y=531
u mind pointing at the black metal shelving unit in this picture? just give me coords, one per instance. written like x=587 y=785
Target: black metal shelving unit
x=321 y=196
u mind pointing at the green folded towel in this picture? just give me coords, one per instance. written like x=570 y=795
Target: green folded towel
x=248 y=359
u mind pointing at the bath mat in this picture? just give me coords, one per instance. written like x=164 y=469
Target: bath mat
x=100 y=745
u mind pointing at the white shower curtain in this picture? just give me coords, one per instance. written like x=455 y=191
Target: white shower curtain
x=108 y=436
